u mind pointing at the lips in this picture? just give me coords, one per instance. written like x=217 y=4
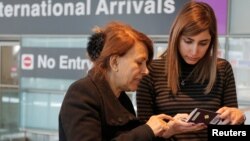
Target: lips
x=137 y=80
x=192 y=59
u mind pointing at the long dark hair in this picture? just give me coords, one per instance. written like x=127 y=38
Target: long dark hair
x=194 y=18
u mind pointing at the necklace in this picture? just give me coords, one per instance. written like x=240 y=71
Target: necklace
x=184 y=80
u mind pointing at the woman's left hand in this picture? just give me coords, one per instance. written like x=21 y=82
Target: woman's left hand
x=232 y=116
x=178 y=125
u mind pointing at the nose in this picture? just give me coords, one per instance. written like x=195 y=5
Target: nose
x=194 y=50
x=145 y=70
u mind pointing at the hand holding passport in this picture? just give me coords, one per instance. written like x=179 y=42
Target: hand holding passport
x=207 y=117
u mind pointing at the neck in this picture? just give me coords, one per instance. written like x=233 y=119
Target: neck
x=185 y=65
x=112 y=83
x=186 y=72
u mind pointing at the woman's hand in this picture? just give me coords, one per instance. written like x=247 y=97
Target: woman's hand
x=158 y=123
x=232 y=116
x=179 y=125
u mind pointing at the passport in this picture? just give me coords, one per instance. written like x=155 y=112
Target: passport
x=207 y=117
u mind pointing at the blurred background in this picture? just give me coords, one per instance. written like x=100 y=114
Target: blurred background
x=43 y=50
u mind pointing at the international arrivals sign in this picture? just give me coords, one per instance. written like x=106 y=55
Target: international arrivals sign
x=48 y=8
x=153 y=17
x=62 y=63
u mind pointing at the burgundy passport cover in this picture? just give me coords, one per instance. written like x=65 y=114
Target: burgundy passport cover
x=204 y=116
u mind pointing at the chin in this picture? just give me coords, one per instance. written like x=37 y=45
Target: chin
x=191 y=62
x=133 y=89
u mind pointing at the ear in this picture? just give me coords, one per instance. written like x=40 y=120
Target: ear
x=113 y=62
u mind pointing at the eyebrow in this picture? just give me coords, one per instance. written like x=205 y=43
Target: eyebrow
x=193 y=39
x=141 y=58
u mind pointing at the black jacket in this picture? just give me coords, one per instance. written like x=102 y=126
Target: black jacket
x=91 y=112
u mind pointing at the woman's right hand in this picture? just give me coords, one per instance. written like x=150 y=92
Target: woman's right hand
x=158 y=124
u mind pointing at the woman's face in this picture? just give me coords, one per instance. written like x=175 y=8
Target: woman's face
x=131 y=68
x=193 y=48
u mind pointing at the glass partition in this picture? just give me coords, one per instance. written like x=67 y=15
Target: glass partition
x=238 y=56
x=41 y=92
x=9 y=88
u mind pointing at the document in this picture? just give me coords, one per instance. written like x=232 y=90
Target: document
x=207 y=117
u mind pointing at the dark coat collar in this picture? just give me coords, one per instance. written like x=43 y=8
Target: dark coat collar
x=115 y=112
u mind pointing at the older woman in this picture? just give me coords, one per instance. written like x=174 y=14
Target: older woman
x=97 y=108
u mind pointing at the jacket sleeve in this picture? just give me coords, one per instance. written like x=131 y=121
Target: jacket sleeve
x=79 y=115
x=140 y=133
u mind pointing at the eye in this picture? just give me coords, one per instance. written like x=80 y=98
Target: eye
x=139 y=62
x=188 y=41
x=204 y=43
